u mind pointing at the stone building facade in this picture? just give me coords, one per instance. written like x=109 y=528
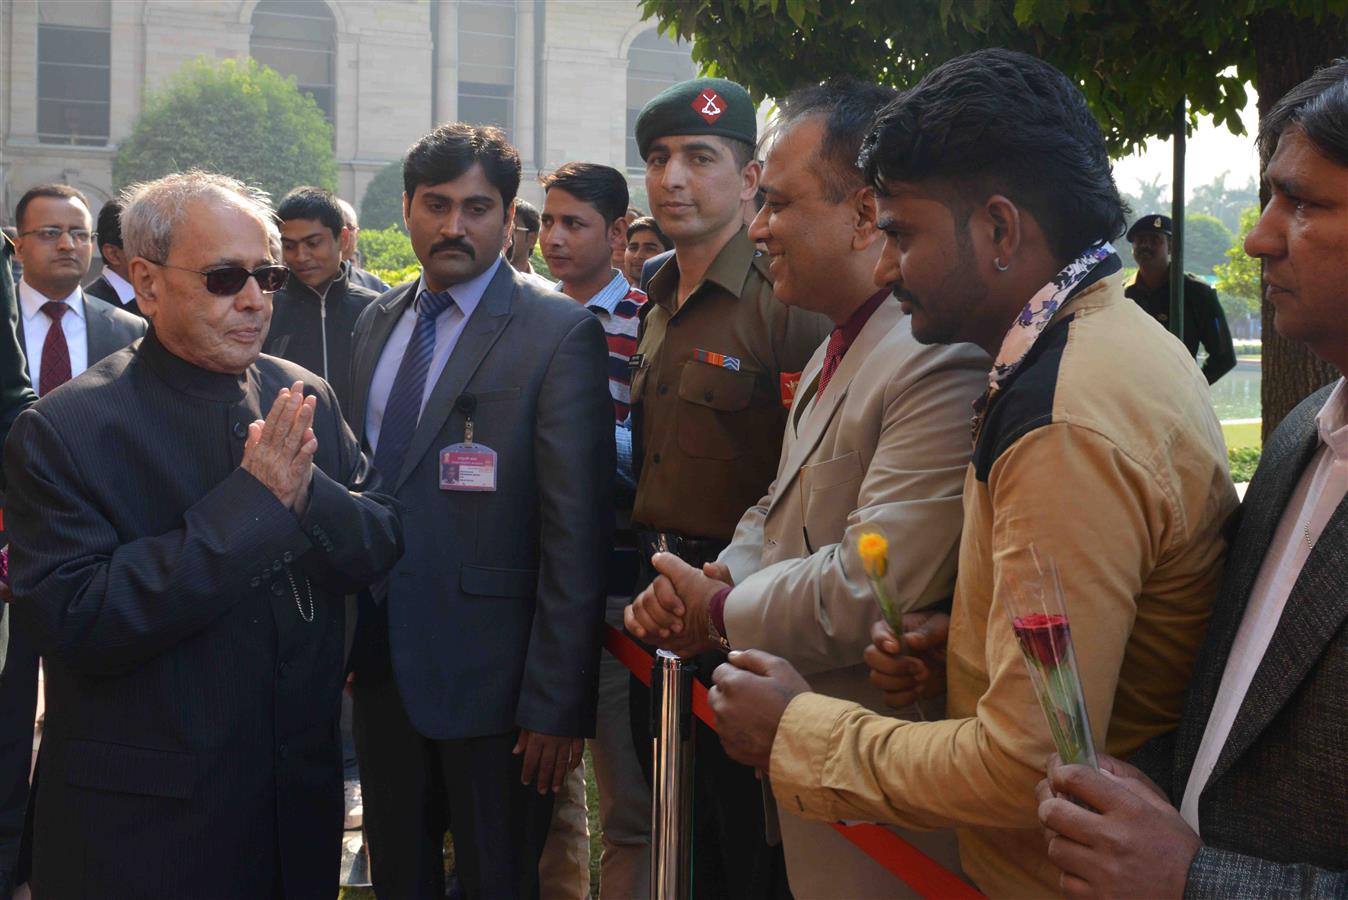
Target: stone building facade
x=564 y=77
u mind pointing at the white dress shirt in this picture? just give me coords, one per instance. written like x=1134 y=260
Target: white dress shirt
x=448 y=327
x=36 y=323
x=1321 y=489
x=125 y=292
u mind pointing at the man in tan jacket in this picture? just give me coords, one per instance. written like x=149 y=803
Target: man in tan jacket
x=877 y=440
x=1095 y=446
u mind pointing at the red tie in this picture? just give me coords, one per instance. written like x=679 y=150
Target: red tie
x=55 y=350
x=832 y=358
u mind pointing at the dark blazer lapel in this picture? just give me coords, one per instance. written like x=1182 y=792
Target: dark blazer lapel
x=386 y=314
x=479 y=333
x=1284 y=459
x=1315 y=611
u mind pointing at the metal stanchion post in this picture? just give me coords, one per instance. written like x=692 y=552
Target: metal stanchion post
x=672 y=790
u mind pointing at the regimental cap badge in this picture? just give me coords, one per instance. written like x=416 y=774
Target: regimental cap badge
x=709 y=105
x=1158 y=223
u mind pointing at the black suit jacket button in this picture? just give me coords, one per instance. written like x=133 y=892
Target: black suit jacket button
x=277 y=588
x=255 y=582
x=240 y=430
x=288 y=557
x=276 y=565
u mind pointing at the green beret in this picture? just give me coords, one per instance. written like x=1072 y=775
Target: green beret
x=700 y=106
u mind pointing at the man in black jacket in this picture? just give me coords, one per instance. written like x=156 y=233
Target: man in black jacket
x=189 y=609
x=317 y=309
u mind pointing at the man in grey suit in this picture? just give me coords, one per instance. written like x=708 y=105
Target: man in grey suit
x=62 y=329
x=1249 y=796
x=485 y=402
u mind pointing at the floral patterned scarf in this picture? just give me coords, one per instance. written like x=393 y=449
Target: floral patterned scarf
x=1032 y=321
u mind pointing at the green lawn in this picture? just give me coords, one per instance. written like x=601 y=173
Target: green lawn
x=1242 y=435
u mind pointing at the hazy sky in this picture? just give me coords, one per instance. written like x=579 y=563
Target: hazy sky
x=1209 y=151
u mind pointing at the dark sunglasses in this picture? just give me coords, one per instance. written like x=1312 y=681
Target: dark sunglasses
x=229 y=280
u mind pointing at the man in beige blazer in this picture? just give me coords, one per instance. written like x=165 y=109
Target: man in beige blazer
x=877 y=439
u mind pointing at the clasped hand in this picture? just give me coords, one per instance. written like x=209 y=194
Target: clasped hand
x=279 y=452
x=672 y=613
x=913 y=668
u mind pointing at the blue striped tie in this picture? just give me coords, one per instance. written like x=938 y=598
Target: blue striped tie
x=404 y=401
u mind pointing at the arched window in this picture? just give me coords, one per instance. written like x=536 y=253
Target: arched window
x=296 y=37
x=74 y=51
x=487 y=63
x=654 y=62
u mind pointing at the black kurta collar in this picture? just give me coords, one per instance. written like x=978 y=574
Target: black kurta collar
x=187 y=378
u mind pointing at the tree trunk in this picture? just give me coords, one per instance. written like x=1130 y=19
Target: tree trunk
x=1287 y=51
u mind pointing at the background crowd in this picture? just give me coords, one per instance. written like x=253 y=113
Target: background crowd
x=276 y=528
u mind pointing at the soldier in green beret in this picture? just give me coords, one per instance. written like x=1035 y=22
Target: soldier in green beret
x=716 y=366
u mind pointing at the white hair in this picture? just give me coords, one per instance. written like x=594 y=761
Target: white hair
x=153 y=210
x=348 y=213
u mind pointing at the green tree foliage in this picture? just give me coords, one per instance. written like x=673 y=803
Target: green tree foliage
x=1134 y=59
x=235 y=117
x=1238 y=279
x=1225 y=203
x=388 y=253
x=1206 y=242
x=382 y=205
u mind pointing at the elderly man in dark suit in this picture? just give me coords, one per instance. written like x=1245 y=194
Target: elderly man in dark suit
x=190 y=607
x=475 y=674
x=1255 y=771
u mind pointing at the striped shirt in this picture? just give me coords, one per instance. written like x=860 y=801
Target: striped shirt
x=616 y=305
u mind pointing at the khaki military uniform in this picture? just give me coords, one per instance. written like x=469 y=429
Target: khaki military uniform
x=708 y=433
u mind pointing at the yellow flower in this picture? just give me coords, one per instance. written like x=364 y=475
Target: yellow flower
x=874 y=551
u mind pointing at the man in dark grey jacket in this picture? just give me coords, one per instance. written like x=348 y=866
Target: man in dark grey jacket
x=1249 y=796
x=314 y=314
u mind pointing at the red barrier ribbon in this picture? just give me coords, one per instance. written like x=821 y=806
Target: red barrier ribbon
x=907 y=863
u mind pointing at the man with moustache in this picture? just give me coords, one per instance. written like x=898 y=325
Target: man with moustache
x=1204 y=321
x=190 y=609
x=1249 y=795
x=1094 y=447
x=717 y=363
x=485 y=400
x=877 y=440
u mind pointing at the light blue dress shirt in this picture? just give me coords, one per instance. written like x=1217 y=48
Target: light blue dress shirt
x=448 y=327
